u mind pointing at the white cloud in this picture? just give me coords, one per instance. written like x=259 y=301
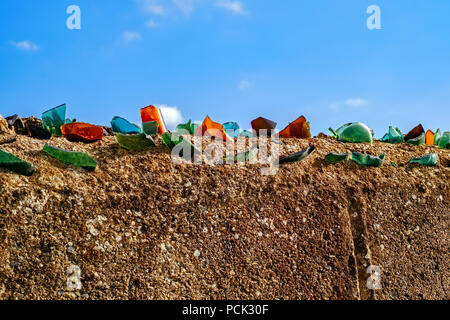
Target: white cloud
x=235 y=7
x=172 y=115
x=131 y=36
x=244 y=84
x=186 y=6
x=356 y=102
x=25 y=45
x=151 y=24
x=152 y=6
x=352 y=102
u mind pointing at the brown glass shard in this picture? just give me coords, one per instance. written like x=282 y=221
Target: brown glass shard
x=414 y=133
x=263 y=124
x=297 y=129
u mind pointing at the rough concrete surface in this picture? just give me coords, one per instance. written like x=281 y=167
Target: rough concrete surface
x=143 y=227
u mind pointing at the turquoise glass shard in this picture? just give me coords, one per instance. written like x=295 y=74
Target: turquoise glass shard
x=444 y=141
x=246 y=134
x=185 y=129
x=78 y=159
x=430 y=160
x=336 y=157
x=174 y=140
x=121 y=125
x=14 y=164
x=394 y=136
x=150 y=128
x=368 y=160
x=53 y=119
x=134 y=142
x=242 y=157
x=437 y=136
x=299 y=156
x=417 y=141
x=232 y=129
x=355 y=132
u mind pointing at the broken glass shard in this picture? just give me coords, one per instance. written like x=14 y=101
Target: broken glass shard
x=232 y=129
x=78 y=159
x=150 y=128
x=444 y=141
x=14 y=164
x=299 y=156
x=297 y=129
x=437 y=136
x=53 y=119
x=368 y=160
x=82 y=132
x=134 y=142
x=173 y=141
x=336 y=157
x=430 y=160
x=263 y=124
x=185 y=129
x=414 y=133
x=213 y=129
x=418 y=140
x=121 y=125
x=355 y=132
x=393 y=136
x=429 y=137
x=37 y=132
x=151 y=113
x=242 y=157
x=246 y=134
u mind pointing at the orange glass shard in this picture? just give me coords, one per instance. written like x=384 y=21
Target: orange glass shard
x=429 y=137
x=414 y=133
x=263 y=124
x=82 y=132
x=212 y=129
x=151 y=113
x=297 y=129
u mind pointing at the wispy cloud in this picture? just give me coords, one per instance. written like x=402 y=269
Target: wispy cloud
x=131 y=36
x=352 y=102
x=151 y=24
x=25 y=45
x=172 y=115
x=235 y=7
x=356 y=102
x=152 y=6
x=244 y=84
x=185 y=6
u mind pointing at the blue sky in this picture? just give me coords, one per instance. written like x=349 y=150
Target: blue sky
x=234 y=60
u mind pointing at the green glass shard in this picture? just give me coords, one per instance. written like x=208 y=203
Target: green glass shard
x=417 y=141
x=12 y=163
x=336 y=157
x=134 y=142
x=385 y=138
x=53 y=119
x=172 y=140
x=394 y=135
x=437 y=136
x=242 y=157
x=185 y=129
x=150 y=128
x=355 y=132
x=78 y=159
x=299 y=156
x=444 y=141
x=430 y=160
x=368 y=160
